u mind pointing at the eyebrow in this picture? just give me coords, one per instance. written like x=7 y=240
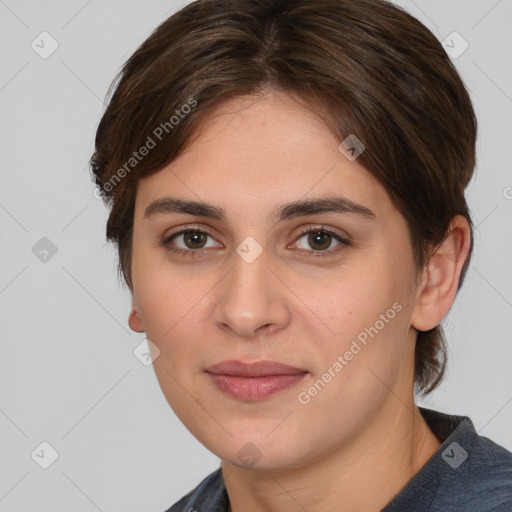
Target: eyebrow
x=287 y=211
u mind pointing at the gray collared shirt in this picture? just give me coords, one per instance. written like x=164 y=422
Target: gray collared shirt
x=468 y=473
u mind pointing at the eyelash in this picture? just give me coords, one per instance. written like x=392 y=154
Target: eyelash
x=165 y=243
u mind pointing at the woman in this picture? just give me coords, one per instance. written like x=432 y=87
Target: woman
x=286 y=182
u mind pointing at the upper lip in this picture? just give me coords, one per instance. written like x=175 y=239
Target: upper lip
x=258 y=369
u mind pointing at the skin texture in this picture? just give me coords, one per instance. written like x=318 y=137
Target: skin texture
x=359 y=440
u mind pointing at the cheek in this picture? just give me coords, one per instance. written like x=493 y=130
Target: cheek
x=357 y=370
x=176 y=313
x=165 y=294
x=368 y=313
x=355 y=301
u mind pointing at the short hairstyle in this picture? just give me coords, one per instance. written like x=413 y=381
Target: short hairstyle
x=366 y=68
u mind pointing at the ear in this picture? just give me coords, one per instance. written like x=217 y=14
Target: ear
x=135 y=320
x=441 y=275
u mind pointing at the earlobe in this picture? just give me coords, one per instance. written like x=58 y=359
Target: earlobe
x=135 y=320
x=441 y=276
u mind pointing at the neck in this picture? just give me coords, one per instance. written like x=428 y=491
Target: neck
x=364 y=476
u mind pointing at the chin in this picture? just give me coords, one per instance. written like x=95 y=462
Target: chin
x=259 y=454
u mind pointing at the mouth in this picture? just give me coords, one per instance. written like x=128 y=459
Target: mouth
x=254 y=381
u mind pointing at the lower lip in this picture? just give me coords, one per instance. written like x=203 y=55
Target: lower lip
x=255 y=388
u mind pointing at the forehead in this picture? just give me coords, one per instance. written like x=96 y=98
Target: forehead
x=259 y=151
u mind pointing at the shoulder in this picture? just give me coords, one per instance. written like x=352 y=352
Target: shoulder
x=475 y=473
x=488 y=475
x=468 y=472
x=209 y=495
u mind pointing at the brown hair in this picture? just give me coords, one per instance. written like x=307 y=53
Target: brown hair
x=365 y=67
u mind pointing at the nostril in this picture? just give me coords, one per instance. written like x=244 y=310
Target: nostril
x=264 y=327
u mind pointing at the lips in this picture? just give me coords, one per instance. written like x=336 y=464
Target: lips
x=254 y=381
x=259 y=369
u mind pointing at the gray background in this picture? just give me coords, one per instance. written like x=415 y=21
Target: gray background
x=68 y=375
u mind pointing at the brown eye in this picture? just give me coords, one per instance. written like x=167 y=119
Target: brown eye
x=319 y=240
x=189 y=242
x=194 y=239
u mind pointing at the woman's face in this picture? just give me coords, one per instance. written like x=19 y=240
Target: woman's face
x=254 y=286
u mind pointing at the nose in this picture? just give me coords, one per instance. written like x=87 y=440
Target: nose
x=251 y=300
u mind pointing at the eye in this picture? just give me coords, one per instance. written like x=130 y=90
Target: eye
x=321 y=241
x=188 y=241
